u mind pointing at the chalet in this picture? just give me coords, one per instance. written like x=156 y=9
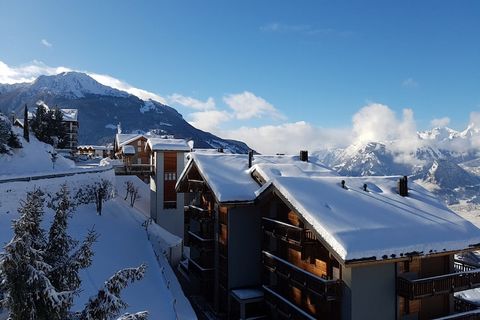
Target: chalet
x=131 y=149
x=286 y=238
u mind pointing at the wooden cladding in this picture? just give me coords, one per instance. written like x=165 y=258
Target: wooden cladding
x=169 y=180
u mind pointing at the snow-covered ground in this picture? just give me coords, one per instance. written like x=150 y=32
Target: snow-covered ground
x=34 y=158
x=122 y=243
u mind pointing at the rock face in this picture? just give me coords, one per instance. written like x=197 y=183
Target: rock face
x=101 y=108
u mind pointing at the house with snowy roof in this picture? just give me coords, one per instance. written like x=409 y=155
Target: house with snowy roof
x=286 y=238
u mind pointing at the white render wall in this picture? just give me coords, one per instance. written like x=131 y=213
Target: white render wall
x=171 y=220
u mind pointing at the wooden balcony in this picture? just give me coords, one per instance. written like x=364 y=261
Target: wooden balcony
x=283 y=307
x=199 y=214
x=411 y=289
x=201 y=241
x=287 y=232
x=323 y=289
x=134 y=169
x=195 y=266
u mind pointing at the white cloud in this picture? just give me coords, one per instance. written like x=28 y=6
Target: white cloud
x=410 y=83
x=208 y=120
x=27 y=72
x=440 y=122
x=190 y=102
x=246 y=105
x=303 y=29
x=46 y=43
x=290 y=138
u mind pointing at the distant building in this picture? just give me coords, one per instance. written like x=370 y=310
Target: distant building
x=95 y=151
x=283 y=237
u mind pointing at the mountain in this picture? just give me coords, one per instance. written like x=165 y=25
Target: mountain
x=446 y=161
x=101 y=108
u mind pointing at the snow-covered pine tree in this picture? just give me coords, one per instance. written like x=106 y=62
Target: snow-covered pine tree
x=60 y=251
x=108 y=303
x=28 y=292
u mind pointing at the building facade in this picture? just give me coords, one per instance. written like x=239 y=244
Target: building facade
x=283 y=238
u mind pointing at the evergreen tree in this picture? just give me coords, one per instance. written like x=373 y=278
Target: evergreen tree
x=26 y=129
x=143 y=315
x=29 y=294
x=40 y=125
x=13 y=141
x=108 y=303
x=5 y=129
x=57 y=128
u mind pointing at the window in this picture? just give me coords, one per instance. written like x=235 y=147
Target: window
x=139 y=149
x=139 y=143
x=139 y=161
x=170 y=176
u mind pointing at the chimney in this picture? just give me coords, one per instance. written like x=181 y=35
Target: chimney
x=119 y=128
x=403 y=186
x=304 y=155
x=365 y=187
x=220 y=150
x=343 y=184
x=13 y=117
x=250 y=158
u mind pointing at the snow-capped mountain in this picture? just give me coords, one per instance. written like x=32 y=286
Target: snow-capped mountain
x=101 y=108
x=445 y=161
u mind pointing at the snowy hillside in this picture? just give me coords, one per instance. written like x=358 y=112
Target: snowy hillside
x=122 y=243
x=33 y=158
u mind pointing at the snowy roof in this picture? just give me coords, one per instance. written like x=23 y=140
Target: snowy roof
x=124 y=138
x=70 y=114
x=128 y=149
x=167 y=144
x=230 y=178
x=378 y=223
x=95 y=147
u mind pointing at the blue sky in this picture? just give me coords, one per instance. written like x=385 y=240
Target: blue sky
x=313 y=61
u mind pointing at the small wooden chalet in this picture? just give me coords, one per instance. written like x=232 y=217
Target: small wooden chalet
x=283 y=237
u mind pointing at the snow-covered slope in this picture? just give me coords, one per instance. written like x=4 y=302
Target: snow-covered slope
x=34 y=158
x=122 y=243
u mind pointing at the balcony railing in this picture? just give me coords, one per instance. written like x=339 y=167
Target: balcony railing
x=284 y=308
x=449 y=283
x=199 y=270
x=324 y=289
x=461 y=266
x=134 y=169
x=198 y=213
x=288 y=232
x=201 y=241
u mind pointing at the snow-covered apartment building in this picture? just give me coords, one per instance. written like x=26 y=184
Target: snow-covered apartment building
x=284 y=237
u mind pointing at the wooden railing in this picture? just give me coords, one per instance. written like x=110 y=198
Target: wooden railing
x=287 y=232
x=461 y=305
x=283 y=307
x=449 y=283
x=461 y=266
x=134 y=169
x=324 y=289
x=198 y=213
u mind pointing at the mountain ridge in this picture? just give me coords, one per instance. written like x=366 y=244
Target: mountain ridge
x=101 y=108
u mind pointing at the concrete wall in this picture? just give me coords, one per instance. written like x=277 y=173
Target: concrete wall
x=170 y=219
x=244 y=247
x=369 y=292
